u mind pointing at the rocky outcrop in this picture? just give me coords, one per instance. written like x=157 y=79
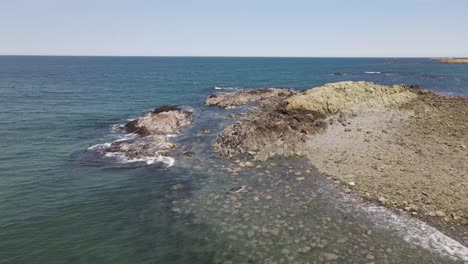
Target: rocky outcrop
x=232 y=100
x=266 y=133
x=153 y=139
x=282 y=123
x=162 y=120
x=144 y=147
x=349 y=97
x=267 y=130
x=453 y=61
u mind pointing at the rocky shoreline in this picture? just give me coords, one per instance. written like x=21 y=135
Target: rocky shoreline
x=402 y=147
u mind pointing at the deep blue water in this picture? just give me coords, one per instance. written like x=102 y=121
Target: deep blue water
x=58 y=208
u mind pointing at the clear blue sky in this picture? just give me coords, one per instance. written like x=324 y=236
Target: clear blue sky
x=391 y=28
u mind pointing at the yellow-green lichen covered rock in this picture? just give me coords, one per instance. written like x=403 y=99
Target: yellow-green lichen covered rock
x=351 y=97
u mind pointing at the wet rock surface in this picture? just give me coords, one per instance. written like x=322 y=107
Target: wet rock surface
x=162 y=120
x=149 y=146
x=153 y=135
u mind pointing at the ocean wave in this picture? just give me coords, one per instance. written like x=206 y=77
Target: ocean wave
x=122 y=158
x=226 y=88
x=101 y=146
x=372 y=72
x=418 y=232
x=126 y=137
x=104 y=150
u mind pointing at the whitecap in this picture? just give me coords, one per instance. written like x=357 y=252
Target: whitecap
x=122 y=158
x=371 y=72
x=168 y=161
x=226 y=88
x=126 y=137
x=117 y=127
x=100 y=146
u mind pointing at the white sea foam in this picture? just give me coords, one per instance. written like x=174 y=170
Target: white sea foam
x=100 y=146
x=122 y=158
x=168 y=161
x=417 y=232
x=117 y=127
x=125 y=137
x=409 y=228
x=226 y=88
x=371 y=72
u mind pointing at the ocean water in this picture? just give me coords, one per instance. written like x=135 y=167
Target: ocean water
x=59 y=203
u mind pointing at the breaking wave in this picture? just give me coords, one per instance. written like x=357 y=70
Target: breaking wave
x=417 y=232
x=122 y=158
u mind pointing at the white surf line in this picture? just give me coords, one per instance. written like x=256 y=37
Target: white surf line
x=411 y=229
x=417 y=232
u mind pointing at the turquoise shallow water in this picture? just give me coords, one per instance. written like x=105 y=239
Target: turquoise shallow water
x=58 y=205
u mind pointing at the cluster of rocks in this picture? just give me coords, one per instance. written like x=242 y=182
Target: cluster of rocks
x=153 y=131
x=285 y=119
x=233 y=100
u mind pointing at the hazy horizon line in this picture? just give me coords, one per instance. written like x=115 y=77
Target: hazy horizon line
x=228 y=56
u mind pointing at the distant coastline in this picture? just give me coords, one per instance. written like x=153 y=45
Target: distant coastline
x=453 y=61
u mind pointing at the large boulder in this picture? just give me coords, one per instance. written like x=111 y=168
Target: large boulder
x=162 y=120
